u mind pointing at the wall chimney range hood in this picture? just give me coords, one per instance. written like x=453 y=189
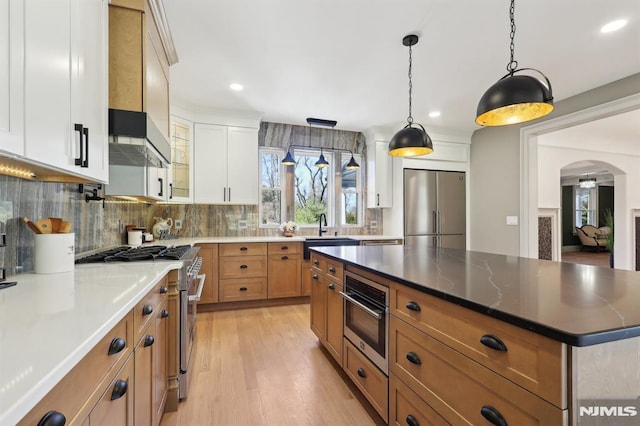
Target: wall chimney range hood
x=139 y=157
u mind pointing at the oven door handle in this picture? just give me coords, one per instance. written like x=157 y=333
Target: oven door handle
x=196 y=297
x=376 y=315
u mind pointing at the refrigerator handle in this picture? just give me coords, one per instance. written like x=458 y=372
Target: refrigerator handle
x=439 y=222
x=435 y=222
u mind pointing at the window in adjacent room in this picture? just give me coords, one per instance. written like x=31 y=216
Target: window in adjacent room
x=585 y=207
x=351 y=188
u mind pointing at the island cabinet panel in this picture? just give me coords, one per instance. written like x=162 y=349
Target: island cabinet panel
x=530 y=360
x=306 y=278
x=460 y=389
x=318 y=303
x=406 y=408
x=365 y=375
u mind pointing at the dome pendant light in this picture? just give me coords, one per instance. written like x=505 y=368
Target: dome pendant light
x=515 y=98
x=352 y=164
x=322 y=162
x=410 y=141
x=288 y=160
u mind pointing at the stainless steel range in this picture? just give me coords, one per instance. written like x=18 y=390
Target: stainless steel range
x=189 y=287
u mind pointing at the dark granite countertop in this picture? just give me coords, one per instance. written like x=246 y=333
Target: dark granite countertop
x=580 y=305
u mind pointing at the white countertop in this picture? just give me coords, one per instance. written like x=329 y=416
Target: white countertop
x=49 y=322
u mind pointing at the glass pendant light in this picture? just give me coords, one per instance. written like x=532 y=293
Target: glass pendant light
x=410 y=141
x=322 y=162
x=515 y=98
x=352 y=164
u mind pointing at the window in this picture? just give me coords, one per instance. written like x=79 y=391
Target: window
x=312 y=187
x=351 y=187
x=271 y=194
x=586 y=207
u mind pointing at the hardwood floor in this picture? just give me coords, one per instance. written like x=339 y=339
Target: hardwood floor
x=587 y=258
x=264 y=366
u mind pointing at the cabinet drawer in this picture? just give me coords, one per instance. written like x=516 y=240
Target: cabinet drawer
x=243 y=249
x=243 y=267
x=241 y=289
x=319 y=262
x=116 y=404
x=329 y=267
x=535 y=362
x=457 y=387
x=285 y=248
x=366 y=376
x=143 y=312
x=406 y=408
x=71 y=393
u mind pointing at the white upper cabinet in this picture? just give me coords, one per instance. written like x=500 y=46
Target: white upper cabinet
x=65 y=87
x=225 y=164
x=379 y=175
x=11 y=77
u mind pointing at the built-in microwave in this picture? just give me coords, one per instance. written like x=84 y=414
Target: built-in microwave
x=366 y=318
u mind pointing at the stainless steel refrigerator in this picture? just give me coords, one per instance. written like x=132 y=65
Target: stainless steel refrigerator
x=435 y=208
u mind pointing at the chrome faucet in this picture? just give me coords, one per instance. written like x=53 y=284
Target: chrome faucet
x=320 y=230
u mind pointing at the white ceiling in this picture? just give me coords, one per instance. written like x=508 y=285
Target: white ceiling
x=344 y=59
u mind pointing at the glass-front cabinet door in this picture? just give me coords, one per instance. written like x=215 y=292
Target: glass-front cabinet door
x=181 y=174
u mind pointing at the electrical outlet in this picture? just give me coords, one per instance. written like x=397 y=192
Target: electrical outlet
x=373 y=224
x=177 y=224
x=242 y=224
x=512 y=220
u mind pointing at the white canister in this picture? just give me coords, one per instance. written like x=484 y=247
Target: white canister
x=134 y=238
x=53 y=253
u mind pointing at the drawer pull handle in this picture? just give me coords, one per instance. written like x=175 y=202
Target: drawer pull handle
x=493 y=342
x=362 y=373
x=243 y=289
x=243 y=249
x=119 y=389
x=332 y=269
x=315 y=262
x=148 y=341
x=164 y=289
x=243 y=266
x=493 y=415
x=332 y=286
x=284 y=248
x=315 y=276
x=164 y=314
x=413 y=306
x=117 y=345
x=414 y=358
x=53 y=418
x=285 y=257
x=147 y=309
x=412 y=421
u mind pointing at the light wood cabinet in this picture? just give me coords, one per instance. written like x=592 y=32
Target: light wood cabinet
x=237 y=290
x=406 y=408
x=284 y=270
x=116 y=405
x=379 y=173
x=11 y=77
x=219 y=155
x=305 y=274
x=327 y=307
x=209 y=254
x=365 y=375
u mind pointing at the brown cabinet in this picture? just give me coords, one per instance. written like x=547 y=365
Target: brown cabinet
x=244 y=289
x=305 y=277
x=116 y=405
x=327 y=307
x=406 y=408
x=242 y=271
x=209 y=254
x=284 y=270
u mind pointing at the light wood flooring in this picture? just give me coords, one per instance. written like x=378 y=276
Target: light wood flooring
x=264 y=366
x=587 y=258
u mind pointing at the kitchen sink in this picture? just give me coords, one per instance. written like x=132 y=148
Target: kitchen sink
x=327 y=242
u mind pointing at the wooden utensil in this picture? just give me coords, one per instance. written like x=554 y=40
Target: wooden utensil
x=45 y=226
x=55 y=224
x=65 y=227
x=32 y=225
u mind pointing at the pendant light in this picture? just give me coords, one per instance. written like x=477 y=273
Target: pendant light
x=410 y=141
x=515 y=98
x=322 y=162
x=288 y=160
x=352 y=164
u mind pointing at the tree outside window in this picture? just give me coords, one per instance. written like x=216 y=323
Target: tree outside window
x=351 y=191
x=312 y=191
x=270 y=187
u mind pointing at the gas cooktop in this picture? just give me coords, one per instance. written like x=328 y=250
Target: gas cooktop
x=134 y=254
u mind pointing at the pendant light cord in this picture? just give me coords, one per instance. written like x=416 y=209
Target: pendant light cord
x=513 y=64
x=410 y=118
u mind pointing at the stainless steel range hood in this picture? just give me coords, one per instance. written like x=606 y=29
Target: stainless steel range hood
x=139 y=157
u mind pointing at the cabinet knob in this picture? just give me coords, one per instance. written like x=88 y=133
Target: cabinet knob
x=332 y=286
x=243 y=289
x=147 y=309
x=164 y=289
x=493 y=416
x=243 y=266
x=119 y=389
x=412 y=421
x=148 y=340
x=314 y=276
x=414 y=358
x=413 y=306
x=493 y=342
x=315 y=262
x=332 y=269
x=117 y=345
x=362 y=373
x=285 y=257
x=284 y=248
x=164 y=314
x=243 y=248
x=53 y=418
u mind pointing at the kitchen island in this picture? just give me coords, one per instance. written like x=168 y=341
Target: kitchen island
x=570 y=333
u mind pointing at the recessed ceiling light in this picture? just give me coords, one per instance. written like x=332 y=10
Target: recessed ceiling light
x=434 y=114
x=613 y=26
x=236 y=86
